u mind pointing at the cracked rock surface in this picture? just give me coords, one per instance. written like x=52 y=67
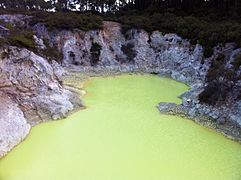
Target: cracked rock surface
x=31 y=92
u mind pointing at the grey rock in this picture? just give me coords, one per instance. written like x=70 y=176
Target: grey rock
x=35 y=91
x=14 y=127
x=35 y=83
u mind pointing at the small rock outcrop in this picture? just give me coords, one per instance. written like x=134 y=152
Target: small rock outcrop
x=223 y=116
x=32 y=82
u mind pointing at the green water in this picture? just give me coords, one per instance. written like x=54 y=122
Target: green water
x=122 y=136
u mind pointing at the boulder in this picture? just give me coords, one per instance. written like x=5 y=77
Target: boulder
x=13 y=125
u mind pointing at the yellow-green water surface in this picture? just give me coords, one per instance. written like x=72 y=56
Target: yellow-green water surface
x=122 y=136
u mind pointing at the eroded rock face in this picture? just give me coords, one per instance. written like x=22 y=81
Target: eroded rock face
x=164 y=54
x=34 y=84
x=13 y=125
x=224 y=117
x=161 y=53
x=30 y=92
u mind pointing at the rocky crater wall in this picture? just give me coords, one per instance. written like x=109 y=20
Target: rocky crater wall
x=31 y=83
x=163 y=54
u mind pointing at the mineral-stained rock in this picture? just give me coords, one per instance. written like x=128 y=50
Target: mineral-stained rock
x=34 y=84
x=30 y=92
x=134 y=50
x=13 y=126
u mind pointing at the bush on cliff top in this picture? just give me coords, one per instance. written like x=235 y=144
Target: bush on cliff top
x=221 y=81
x=204 y=30
x=196 y=29
x=51 y=52
x=68 y=21
x=23 y=39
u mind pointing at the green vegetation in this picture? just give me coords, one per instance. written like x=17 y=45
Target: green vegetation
x=17 y=35
x=221 y=80
x=197 y=29
x=22 y=39
x=201 y=30
x=215 y=91
x=207 y=22
x=51 y=52
x=68 y=21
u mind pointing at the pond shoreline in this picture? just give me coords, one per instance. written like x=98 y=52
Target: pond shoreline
x=74 y=78
x=122 y=126
x=44 y=98
x=228 y=129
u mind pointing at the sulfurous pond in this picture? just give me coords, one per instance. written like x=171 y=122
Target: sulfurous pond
x=121 y=135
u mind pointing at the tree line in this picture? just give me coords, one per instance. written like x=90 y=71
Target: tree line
x=230 y=6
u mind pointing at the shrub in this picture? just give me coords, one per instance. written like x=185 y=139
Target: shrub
x=218 y=80
x=22 y=39
x=215 y=90
x=51 y=52
x=211 y=94
x=201 y=30
x=137 y=22
x=7 y=25
x=216 y=68
x=68 y=21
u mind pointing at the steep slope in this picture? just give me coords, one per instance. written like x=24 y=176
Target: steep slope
x=30 y=92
